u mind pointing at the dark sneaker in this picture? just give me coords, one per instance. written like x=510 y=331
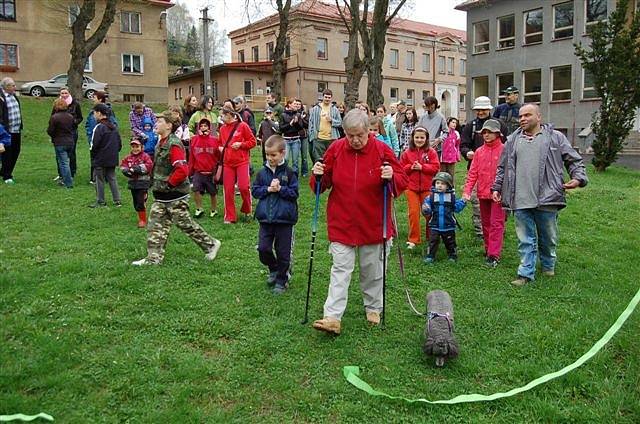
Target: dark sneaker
x=520 y=281
x=429 y=259
x=278 y=289
x=117 y=204
x=198 y=214
x=491 y=262
x=548 y=272
x=271 y=279
x=453 y=258
x=98 y=205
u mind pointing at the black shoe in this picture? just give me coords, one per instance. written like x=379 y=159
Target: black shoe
x=117 y=204
x=491 y=262
x=271 y=279
x=453 y=258
x=98 y=205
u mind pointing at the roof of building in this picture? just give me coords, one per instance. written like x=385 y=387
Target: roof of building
x=321 y=10
x=266 y=67
x=471 y=4
x=163 y=3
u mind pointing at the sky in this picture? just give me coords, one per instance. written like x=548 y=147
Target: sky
x=228 y=13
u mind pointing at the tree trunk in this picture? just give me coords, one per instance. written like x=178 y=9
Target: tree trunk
x=354 y=66
x=278 y=53
x=81 y=47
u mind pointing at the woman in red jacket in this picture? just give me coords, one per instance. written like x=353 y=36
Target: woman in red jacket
x=420 y=162
x=354 y=170
x=236 y=141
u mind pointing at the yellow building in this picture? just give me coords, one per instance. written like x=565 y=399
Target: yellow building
x=35 y=41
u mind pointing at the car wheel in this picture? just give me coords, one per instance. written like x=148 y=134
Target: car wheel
x=89 y=94
x=37 y=91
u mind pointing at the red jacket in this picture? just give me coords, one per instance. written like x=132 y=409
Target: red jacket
x=204 y=154
x=244 y=135
x=354 y=208
x=420 y=180
x=483 y=169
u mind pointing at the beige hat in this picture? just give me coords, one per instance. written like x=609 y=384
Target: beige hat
x=482 y=103
x=492 y=125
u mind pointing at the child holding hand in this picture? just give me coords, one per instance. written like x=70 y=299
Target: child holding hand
x=481 y=174
x=420 y=162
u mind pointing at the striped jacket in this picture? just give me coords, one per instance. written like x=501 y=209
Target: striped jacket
x=314 y=122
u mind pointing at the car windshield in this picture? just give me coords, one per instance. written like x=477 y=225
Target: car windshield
x=90 y=80
x=60 y=78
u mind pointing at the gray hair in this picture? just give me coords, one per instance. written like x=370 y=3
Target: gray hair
x=7 y=81
x=355 y=118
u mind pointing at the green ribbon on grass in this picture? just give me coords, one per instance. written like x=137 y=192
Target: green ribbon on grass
x=351 y=373
x=23 y=417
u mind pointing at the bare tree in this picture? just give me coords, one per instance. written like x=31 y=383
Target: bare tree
x=82 y=47
x=354 y=64
x=179 y=22
x=278 y=52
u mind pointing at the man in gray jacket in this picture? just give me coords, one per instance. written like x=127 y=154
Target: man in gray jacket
x=529 y=183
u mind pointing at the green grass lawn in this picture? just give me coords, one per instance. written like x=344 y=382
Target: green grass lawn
x=88 y=338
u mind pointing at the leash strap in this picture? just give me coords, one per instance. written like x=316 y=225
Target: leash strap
x=432 y=315
x=23 y=417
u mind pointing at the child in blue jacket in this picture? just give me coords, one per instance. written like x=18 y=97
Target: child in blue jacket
x=150 y=138
x=5 y=139
x=441 y=205
x=276 y=188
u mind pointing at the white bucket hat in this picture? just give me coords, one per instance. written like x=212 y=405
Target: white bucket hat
x=482 y=103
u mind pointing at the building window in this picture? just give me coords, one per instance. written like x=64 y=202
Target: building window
x=191 y=90
x=175 y=94
x=393 y=94
x=561 y=83
x=425 y=94
x=241 y=56
x=270 y=50
x=463 y=67
x=410 y=97
x=132 y=63
x=450 y=65
x=131 y=98
x=480 y=86
x=88 y=65
x=463 y=101
x=130 y=22
x=595 y=11
x=563 y=20
x=345 y=49
x=533 y=26
x=441 y=64
x=9 y=56
x=74 y=11
x=7 y=10
x=321 y=48
x=506 y=32
x=481 y=37
x=411 y=61
x=394 y=58
x=322 y=85
x=502 y=82
x=426 y=62
x=287 y=48
x=201 y=89
x=344 y=89
x=255 y=54
x=588 y=85
x=214 y=90
x=532 y=83
x=248 y=87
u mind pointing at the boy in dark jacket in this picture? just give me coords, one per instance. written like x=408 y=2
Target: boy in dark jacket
x=105 y=146
x=276 y=188
x=268 y=127
x=441 y=205
x=137 y=168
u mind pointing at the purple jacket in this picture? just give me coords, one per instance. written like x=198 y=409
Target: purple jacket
x=136 y=121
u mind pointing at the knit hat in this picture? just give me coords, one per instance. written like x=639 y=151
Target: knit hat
x=482 y=103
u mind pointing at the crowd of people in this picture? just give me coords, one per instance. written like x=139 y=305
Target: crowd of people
x=363 y=158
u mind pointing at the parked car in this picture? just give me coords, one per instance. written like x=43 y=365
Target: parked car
x=52 y=87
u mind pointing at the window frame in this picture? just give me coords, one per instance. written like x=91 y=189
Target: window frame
x=588 y=24
x=130 y=14
x=241 y=57
x=131 y=55
x=3 y=7
x=411 y=60
x=89 y=69
x=474 y=80
x=462 y=100
x=244 y=87
x=442 y=64
x=524 y=28
x=451 y=69
x=511 y=38
x=426 y=62
x=8 y=67
x=584 y=88
x=326 y=48
x=463 y=67
x=483 y=44
x=394 y=54
x=391 y=96
x=255 y=53
x=499 y=95
x=552 y=84
x=322 y=85
x=345 y=49
x=525 y=93
x=411 y=97
x=271 y=48
x=565 y=28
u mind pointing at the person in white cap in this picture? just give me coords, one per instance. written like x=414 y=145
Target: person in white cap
x=471 y=140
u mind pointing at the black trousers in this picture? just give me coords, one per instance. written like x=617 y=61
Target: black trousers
x=449 y=240
x=139 y=196
x=278 y=237
x=10 y=157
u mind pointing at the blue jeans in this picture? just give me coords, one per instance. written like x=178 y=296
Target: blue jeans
x=537 y=232
x=293 y=149
x=63 y=155
x=304 y=148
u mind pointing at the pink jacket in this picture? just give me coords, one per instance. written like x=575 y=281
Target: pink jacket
x=483 y=169
x=451 y=148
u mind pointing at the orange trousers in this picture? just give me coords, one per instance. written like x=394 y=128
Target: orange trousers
x=414 y=203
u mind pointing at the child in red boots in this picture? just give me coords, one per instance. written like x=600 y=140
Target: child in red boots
x=137 y=168
x=204 y=155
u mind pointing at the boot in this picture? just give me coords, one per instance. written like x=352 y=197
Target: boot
x=142 y=219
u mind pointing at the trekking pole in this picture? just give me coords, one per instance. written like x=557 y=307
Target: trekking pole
x=384 y=248
x=314 y=229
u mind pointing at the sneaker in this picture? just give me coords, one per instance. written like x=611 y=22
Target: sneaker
x=10 y=181
x=278 y=289
x=520 y=281
x=98 y=205
x=428 y=259
x=117 y=204
x=453 y=258
x=271 y=279
x=60 y=183
x=373 y=318
x=548 y=272
x=57 y=178
x=491 y=262
x=247 y=217
x=92 y=182
x=410 y=245
x=198 y=214
x=228 y=222
x=328 y=325
x=142 y=262
x=213 y=252
x=213 y=214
